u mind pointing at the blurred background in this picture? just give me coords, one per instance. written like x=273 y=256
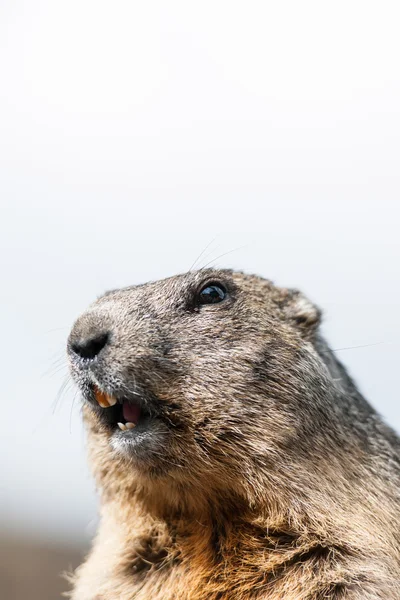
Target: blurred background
x=136 y=136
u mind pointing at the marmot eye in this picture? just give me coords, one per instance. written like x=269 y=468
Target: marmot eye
x=211 y=294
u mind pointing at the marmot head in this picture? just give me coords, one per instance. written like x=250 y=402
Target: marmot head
x=205 y=380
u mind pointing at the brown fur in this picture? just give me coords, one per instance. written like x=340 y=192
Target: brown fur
x=269 y=476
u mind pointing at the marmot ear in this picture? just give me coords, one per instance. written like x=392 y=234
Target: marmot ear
x=302 y=311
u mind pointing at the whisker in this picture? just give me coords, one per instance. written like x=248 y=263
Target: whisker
x=127 y=389
x=59 y=358
x=201 y=254
x=353 y=347
x=71 y=409
x=50 y=411
x=222 y=255
x=61 y=392
x=55 y=370
x=209 y=254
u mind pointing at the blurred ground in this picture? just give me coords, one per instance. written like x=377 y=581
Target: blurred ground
x=33 y=570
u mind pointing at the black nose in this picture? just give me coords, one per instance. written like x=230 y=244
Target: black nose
x=91 y=347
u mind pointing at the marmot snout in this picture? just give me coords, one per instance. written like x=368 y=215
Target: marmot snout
x=234 y=456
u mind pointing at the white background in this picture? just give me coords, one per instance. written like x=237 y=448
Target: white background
x=135 y=133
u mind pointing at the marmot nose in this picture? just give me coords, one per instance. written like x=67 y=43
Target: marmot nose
x=89 y=348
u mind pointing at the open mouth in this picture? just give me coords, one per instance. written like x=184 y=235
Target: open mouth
x=118 y=412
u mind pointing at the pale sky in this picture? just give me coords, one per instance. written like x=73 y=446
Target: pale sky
x=133 y=134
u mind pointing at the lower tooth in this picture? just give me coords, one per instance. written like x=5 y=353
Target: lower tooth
x=121 y=426
x=130 y=425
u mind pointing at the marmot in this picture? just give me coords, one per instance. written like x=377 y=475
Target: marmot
x=234 y=456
